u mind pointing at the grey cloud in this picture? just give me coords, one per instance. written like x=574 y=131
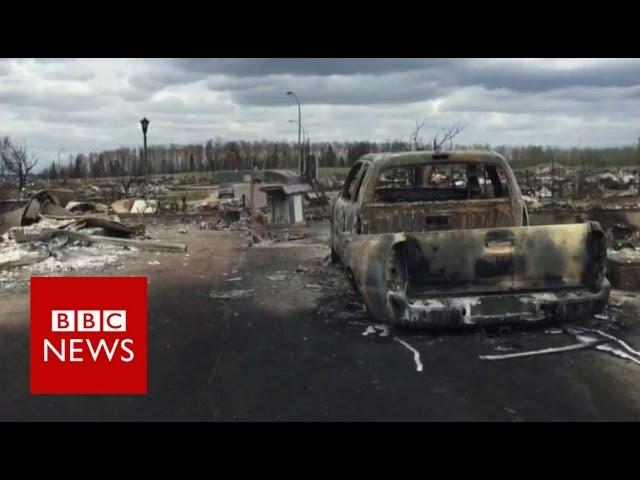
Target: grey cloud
x=256 y=67
x=413 y=82
x=136 y=96
x=535 y=78
x=64 y=102
x=576 y=101
x=47 y=61
x=502 y=101
x=517 y=76
x=82 y=75
x=159 y=76
x=343 y=90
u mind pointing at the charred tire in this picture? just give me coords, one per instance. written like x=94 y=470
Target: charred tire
x=352 y=280
x=335 y=259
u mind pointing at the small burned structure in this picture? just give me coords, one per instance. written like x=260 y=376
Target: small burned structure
x=260 y=178
x=285 y=202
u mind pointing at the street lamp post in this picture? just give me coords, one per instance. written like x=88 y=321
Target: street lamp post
x=145 y=125
x=304 y=133
x=301 y=164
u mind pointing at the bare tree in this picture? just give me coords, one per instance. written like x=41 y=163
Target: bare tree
x=132 y=177
x=414 y=138
x=17 y=161
x=126 y=183
x=441 y=138
x=448 y=134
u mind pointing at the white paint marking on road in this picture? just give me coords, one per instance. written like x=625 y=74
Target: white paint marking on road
x=617 y=352
x=383 y=330
x=369 y=330
x=586 y=341
x=416 y=353
x=545 y=351
x=615 y=339
x=380 y=329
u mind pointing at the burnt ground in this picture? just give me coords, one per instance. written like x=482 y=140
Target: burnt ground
x=294 y=348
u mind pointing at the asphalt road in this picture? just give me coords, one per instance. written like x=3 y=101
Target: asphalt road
x=294 y=348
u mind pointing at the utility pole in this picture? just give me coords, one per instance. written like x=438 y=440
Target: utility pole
x=300 y=146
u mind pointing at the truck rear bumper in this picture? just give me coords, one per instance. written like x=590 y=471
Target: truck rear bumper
x=498 y=309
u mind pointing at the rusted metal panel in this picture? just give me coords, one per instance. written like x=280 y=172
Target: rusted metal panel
x=421 y=217
x=11 y=219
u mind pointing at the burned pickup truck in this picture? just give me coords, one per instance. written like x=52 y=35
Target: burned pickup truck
x=442 y=239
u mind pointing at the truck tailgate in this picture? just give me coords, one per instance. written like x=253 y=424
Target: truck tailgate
x=531 y=258
x=477 y=262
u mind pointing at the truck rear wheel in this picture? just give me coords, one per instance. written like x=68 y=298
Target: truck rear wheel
x=334 y=256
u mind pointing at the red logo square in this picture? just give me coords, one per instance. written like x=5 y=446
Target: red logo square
x=88 y=335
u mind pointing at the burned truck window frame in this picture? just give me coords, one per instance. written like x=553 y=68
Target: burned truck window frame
x=359 y=183
x=350 y=181
x=441 y=181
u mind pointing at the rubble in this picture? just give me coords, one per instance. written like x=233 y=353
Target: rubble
x=265 y=237
x=231 y=294
x=21 y=236
x=122 y=206
x=623 y=268
x=277 y=277
x=86 y=207
x=144 y=206
x=209 y=204
x=45 y=236
x=19 y=261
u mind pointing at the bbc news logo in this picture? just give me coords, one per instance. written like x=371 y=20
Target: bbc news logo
x=88 y=321
x=88 y=335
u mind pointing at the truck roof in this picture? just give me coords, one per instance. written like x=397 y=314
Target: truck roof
x=384 y=159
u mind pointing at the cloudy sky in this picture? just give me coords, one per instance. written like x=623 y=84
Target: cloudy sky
x=94 y=104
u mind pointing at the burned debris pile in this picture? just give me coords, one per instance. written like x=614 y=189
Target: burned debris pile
x=556 y=194
x=65 y=234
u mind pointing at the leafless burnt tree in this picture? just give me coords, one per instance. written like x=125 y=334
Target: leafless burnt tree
x=447 y=135
x=414 y=138
x=439 y=140
x=17 y=161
